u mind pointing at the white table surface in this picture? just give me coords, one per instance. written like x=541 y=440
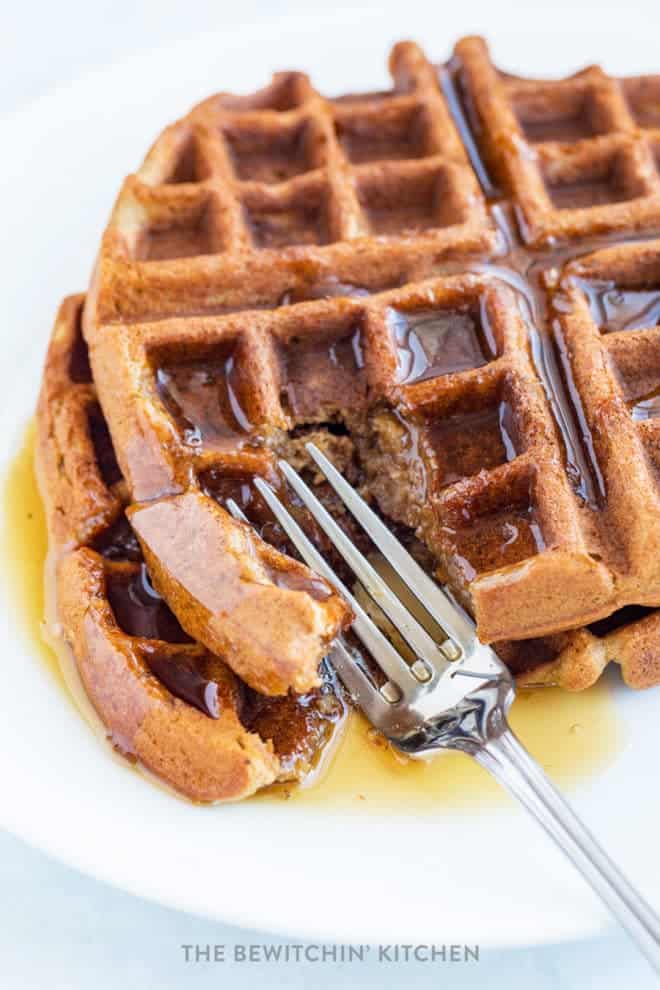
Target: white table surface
x=60 y=929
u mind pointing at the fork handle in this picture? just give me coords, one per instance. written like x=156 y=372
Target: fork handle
x=510 y=763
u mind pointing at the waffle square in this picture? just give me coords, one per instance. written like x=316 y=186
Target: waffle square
x=578 y=156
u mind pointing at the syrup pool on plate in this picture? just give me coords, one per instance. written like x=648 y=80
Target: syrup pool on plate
x=572 y=735
x=26 y=549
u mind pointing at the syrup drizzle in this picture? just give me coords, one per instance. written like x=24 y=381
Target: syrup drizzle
x=469 y=442
x=182 y=678
x=556 y=378
x=318 y=374
x=203 y=398
x=140 y=610
x=462 y=111
x=431 y=342
x=615 y=310
x=525 y=272
x=585 y=432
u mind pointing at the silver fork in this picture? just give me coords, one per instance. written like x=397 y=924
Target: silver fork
x=456 y=693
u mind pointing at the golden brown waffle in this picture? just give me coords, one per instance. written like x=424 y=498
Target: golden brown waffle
x=574 y=660
x=158 y=380
x=578 y=156
x=165 y=700
x=85 y=496
x=99 y=558
x=481 y=451
x=250 y=198
x=480 y=463
x=423 y=281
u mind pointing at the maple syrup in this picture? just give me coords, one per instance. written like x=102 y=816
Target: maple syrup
x=467 y=121
x=203 y=397
x=182 y=677
x=30 y=582
x=27 y=549
x=321 y=373
x=433 y=342
x=496 y=539
x=465 y=444
x=615 y=309
x=140 y=610
x=572 y=735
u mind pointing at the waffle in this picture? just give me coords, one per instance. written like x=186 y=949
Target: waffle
x=164 y=699
x=96 y=548
x=495 y=504
x=454 y=289
x=578 y=156
x=251 y=199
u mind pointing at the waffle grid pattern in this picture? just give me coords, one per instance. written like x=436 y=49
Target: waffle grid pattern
x=616 y=373
x=268 y=147
x=523 y=484
x=83 y=501
x=126 y=641
x=285 y=265
x=578 y=156
x=94 y=560
x=284 y=186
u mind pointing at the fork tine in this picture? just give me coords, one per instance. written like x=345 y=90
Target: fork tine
x=406 y=624
x=363 y=692
x=390 y=661
x=312 y=557
x=434 y=600
x=236 y=511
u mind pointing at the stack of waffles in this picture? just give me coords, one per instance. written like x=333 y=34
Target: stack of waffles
x=452 y=287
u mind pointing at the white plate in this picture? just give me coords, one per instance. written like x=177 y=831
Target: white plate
x=489 y=877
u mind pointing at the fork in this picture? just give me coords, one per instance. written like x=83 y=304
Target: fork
x=454 y=695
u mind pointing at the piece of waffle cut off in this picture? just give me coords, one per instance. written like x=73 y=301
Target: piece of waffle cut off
x=164 y=699
x=454 y=289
